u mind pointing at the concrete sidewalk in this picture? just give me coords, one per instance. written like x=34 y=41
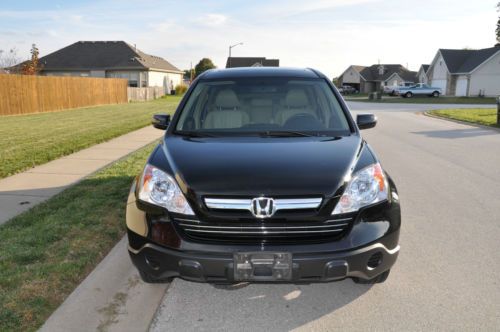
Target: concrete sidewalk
x=22 y=191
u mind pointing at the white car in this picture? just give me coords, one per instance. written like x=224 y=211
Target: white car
x=392 y=90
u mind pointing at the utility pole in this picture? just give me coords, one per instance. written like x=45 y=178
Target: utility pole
x=191 y=73
x=230 y=47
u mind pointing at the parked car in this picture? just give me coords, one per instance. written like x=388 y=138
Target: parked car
x=347 y=90
x=420 y=89
x=262 y=175
x=392 y=90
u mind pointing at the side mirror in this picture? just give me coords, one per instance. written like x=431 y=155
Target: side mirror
x=161 y=121
x=366 y=121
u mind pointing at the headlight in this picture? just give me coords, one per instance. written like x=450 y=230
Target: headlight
x=158 y=188
x=367 y=186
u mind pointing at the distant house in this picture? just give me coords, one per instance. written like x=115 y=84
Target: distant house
x=111 y=59
x=3 y=71
x=466 y=72
x=422 y=74
x=375 y=77
x=233 y=62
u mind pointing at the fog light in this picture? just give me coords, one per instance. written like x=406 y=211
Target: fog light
x=375 y=260
x=152 y=262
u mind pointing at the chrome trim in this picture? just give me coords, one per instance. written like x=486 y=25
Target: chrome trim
x=263 y=232
x=261 y=227
x=336 y=220
x=229 y=204
x=246 y=204
x=189 y=220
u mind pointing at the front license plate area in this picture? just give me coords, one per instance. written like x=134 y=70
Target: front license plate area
x=262 y=266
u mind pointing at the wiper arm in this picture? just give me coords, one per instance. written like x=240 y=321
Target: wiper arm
x=284 y=133
x=194 y=134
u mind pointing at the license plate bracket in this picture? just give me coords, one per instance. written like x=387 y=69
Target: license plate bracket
x=262 y=266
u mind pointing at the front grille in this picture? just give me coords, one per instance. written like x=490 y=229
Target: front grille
x=255 y=231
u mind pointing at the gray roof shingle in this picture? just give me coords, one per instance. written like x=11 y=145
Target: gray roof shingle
x=250 y=61
x=372 y=73
x=465 y=61
x=105 y=55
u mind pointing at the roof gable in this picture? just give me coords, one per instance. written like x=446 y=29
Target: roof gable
x=105 y=55
x=465 y=61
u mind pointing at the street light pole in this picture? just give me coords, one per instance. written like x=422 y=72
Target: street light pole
x=230 y=47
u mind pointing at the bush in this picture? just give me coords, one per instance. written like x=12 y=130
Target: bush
x=180 y=89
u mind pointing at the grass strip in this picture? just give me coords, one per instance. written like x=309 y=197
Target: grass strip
x=47 y=251
x=487 y=117
x=30 y=140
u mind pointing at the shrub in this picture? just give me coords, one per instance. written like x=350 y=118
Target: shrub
x=180 y=89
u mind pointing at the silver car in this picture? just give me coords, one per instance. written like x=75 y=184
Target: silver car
x=420 y=89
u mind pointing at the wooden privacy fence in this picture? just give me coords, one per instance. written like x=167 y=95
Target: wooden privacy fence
x=23 y=94
x=144 y=94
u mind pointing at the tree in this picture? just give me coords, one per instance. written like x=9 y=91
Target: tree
x=188 y=74
x=32 y=66
x=9 y=58
x=498 y=25
x=204 y=65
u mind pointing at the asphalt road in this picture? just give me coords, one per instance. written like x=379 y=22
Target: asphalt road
x=447 y=274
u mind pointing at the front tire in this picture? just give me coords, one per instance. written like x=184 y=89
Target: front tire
x=408 y=95
x=377 y=280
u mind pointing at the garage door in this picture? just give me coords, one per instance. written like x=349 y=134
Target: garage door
x=439 y=84
x=461 y=89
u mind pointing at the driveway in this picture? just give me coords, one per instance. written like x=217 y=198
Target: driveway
x=447 y=275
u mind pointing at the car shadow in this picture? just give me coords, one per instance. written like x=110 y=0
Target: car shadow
x=261 y=306
x=458 y=133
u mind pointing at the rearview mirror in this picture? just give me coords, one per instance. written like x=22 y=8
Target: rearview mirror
x=366 y=121
x=161 y=121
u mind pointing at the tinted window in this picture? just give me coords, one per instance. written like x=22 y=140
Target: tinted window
x=251 y=106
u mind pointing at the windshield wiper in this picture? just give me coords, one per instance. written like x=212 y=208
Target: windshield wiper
x=284 y=133
x=194 y=134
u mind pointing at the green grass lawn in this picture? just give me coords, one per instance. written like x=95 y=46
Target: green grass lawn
x=429 y=100
x=47 y=251
x=486 y=117
x=29 y=140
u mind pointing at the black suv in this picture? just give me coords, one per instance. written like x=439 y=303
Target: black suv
x=263 y=176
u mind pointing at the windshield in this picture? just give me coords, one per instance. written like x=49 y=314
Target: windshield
x=260 y=106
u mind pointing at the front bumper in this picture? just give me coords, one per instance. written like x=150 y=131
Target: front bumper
x=161 y=262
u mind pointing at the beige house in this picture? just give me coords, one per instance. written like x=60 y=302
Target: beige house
x=112 y=59
x=422 y=74
x=375 y=77
x=466 y=72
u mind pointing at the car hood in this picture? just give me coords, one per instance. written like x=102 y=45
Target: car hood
x=254 y=166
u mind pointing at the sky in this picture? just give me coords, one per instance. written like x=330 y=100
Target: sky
x=326 y=35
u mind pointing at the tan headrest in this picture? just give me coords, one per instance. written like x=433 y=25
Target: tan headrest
x=296 y=98
x=227 y=99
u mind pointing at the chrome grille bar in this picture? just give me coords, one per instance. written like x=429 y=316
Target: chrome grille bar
x=246 y=204
x=264 y=232
x=260 y=227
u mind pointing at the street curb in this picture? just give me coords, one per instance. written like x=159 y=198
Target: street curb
x=111 y=298
x=473 y=124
